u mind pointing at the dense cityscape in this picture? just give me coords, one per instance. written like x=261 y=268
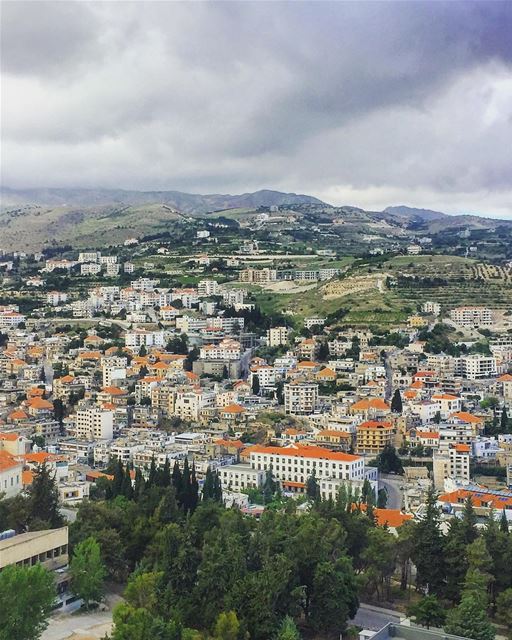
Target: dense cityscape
x=256 y=320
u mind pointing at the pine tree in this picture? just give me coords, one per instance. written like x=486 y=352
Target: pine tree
x=217 y=488
x=177 y=479
x=165 y=478
x=312 y=488
x=255 y=384
x=428 y=545
x=139 y=484
x=87 y=571
x=504 y=421
x=184 y=495
x=153 y=473
x=194 y=490
x=118 y=481
x=208 y=485
x=127 y=487
x=469 y=521
x=504 y=522
x=44 y=498
x=396 y=402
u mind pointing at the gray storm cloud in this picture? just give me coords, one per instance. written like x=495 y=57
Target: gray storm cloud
x=363 y=103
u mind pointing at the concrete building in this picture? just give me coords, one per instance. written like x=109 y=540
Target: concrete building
x=277 y=336
x=94 y=424
x=301 y=398
x=472 y=316
x=373 y=435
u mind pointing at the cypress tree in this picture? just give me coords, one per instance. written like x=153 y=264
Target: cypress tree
x=504 y=421
x=177 y=479
x=153 y=473
x=118 y=481
x=429 y=546
x=194 y=490
x=44 y=498
x=504 y=522
x=166 y=474
x=127 y=487
x=209 y=486
x=396 y=402
x=217 y=488
x=184 y=496
x=139 y=484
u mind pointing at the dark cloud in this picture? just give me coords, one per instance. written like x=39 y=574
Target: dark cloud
x=368 y=99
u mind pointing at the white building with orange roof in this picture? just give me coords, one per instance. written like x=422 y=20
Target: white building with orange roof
x=370 y=408
x=326 y=376
x=505 y=382
x=227 y=349
x=372 y=436
x=11 y=319
x=11 y=469
x=475 y=423
x=14 y=443
x=452 y=467
x=447 y=404
x=39 y=407
x=232 y=413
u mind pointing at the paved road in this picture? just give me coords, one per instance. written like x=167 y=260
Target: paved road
x=69 y=514
x=90 y=625
x=374 y=618
x=392 y=485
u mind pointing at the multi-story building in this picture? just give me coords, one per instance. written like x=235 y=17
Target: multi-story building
x=431 y=307
x=373 y=435
x=300 y=398
x=94 y=424
x=208 y=288
x=296 y=463
x=227 y=349
x=472 y=316
x=475 y=366
x=138 y=337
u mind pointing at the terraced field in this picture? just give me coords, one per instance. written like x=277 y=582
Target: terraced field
x=453 y=282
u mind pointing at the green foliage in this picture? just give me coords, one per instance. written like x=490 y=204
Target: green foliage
x=226 y=626
x=469 y=620
x=88 y=572
x=27 y=595
x=396 y=402
x=428 y=612
x=287 y=630
x=389 y=462
x=429 y=544
x=132 y=623
x=504 y=608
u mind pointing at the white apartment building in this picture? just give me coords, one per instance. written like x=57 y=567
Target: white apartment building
x=189 y=324
x=431 y=307
x=108 y=259
x=314 y=321
x=188 y=404
x=300 y=399
x=447 y=404
x=56 y=297
x=235 y=477
x=138 y=337
x=475 y=366
x=10 y=475
x=277 y=336
x=231 y=297
x=229 y=325
x=10 y=319
x=90 y=269
x=472 y=316
x=94 y=424
x=452 y=465
x=128 y=267
x=267 y=375
x=208 y=288
x=227 y=349
x=88 y=256
x=297 y=463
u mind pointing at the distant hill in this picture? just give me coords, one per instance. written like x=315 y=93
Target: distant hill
x=412 y=212
x=190 y=203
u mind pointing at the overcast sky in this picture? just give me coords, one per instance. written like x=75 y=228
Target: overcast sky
x=369 y=104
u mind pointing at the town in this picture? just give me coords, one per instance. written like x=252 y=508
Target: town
x=114 y=384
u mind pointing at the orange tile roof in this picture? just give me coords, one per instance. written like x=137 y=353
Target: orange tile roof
x=333 y=433
x=18 y=414
x=444 y=396
x=233 y=408
x=305 y=451
x=465 y=416
x=393 y=518
x=506 y=377
x=42 y=456
x=326 y=373
x=238 y=444
x=375 y=424
x=9 y=437
x=462 y=448
x=89 y=355
x=113 y=391
x=27 y=478
x=478 y=498
x=370 y=403
x=40 y=403
x=7 y=461
x=427 y=434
